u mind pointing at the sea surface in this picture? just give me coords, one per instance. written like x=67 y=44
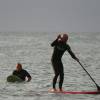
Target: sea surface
x=33 y=51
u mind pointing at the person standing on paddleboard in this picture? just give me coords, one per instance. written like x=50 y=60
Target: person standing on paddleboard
x=60 y=46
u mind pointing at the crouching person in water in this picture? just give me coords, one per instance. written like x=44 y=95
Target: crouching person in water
x=21 y=73
x=60 y=46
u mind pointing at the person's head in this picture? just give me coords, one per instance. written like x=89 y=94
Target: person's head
x=64 y=37
x=18 y=67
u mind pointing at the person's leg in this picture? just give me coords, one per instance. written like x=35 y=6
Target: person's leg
x=61 y=81
x=61 y=70
x=56 y=71
x=55 y=80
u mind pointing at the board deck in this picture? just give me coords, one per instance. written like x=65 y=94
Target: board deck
x=81 y=92
x=13 y=78
x=76 y=92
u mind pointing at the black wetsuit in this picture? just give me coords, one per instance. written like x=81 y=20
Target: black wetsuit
x=59 y=49
x=21 y=74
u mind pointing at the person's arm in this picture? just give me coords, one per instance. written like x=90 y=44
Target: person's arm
x=28 y=76
x=29 y=79
x=72 y=54
x=56 y=41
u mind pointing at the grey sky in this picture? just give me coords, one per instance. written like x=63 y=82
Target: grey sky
x=50 y=15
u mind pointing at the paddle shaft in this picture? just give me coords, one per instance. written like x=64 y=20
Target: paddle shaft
x=89 y=76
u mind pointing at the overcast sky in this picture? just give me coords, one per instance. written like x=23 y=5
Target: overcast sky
x=50 y=15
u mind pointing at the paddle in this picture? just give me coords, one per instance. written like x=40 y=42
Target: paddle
x=98 y=88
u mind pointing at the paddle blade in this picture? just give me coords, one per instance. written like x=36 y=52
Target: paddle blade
x=98 y=88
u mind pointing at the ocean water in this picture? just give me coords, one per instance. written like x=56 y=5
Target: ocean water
x=33 y=50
